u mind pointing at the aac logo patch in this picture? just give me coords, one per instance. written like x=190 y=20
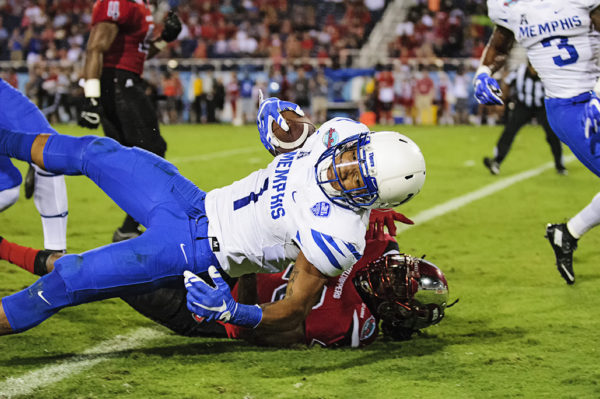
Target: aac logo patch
x=368 y=328
x=321 y=209
x=331 y=138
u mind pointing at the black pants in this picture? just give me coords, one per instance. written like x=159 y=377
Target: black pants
x=128 y=114
x=516 y=119
x=168 y=306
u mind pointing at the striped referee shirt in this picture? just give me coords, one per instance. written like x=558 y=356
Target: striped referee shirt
x=526 y=86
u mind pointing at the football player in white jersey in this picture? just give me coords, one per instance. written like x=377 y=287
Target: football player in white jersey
x=563 y=44
x=311 y=206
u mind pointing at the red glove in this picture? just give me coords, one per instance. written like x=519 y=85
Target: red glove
x=384 y=217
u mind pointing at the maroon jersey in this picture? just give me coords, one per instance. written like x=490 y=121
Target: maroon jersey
x=340 y=317
x=136 y=27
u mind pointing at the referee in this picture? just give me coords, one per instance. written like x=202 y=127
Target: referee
x=526 y=101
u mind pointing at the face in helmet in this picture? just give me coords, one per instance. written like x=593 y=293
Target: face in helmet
x=371 y=170
x=406 y=293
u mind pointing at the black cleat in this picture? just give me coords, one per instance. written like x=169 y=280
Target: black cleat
x=492 y=165
x=563 y=244
x=562 y=171
x=29 y=182
x=120 y=235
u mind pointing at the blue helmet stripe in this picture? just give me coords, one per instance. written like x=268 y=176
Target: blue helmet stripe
x=318 y=237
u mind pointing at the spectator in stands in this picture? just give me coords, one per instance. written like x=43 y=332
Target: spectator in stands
x=173 y=90
x=199 y=97
x=232 y=93
x=247 y=103
x=301 y=90
x=319 y=88
x=385 y=95
x=461 y=86
x=424 y=94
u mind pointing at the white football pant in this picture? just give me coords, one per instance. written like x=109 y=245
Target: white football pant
x=50 y=198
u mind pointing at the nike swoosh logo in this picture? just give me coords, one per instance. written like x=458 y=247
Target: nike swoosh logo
x=41 y=295
x=182 y=246
x=221 y=308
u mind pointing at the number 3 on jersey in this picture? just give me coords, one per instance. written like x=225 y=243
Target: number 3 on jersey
x=563 y=44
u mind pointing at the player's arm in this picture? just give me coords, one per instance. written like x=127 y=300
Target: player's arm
x=595 y=17
x=303 y=290
x=102 y=36
x=487 y=90
x=172 y=28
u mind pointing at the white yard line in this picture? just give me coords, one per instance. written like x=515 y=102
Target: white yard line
x=485 y=191
x=45 y=376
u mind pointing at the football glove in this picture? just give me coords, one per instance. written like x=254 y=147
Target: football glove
x=268 y=111
x=381 y=218
x=172 y=27
x=487 y=90
x=90 y=113
x=208 y=303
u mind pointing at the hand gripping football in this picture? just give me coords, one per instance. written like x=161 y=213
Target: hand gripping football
x=301 y=128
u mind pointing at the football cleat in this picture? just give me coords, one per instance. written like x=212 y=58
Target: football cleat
x=492 y=165
x=562 y=171
x=29 y=182
x=120 y=235
x=563 y=244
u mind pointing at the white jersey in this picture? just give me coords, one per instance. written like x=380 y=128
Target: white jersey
x=263 y=221
x=559 y=38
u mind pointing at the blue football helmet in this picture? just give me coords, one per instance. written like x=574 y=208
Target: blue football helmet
x=391 y=166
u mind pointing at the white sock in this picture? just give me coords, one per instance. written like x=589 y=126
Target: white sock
x=587 y=218
x=8 y=197
x=50 y=198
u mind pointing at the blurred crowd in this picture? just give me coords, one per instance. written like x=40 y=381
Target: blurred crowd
x=56 y=30
x=416 y=87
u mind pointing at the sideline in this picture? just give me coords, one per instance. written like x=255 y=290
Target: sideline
x=48 y=375
x=458 y=202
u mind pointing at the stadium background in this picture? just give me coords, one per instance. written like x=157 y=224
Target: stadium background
x=518 y=330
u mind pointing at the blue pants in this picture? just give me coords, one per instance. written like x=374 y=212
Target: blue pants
x=152 y=191
x=565 y=116
x=19 y=114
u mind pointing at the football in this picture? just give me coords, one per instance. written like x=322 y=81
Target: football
x=301 y=128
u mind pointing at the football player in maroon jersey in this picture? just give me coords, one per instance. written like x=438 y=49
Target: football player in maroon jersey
x=121 y=39
x=400 y=293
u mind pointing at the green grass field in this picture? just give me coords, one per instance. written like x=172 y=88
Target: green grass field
x=517 y=331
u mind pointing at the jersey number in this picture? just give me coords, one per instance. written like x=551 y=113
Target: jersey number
x=252 y=197
x=145 y=45
x=112 y=10
x=563 y=44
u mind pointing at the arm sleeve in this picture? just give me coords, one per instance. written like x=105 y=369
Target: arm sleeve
x=498 y=13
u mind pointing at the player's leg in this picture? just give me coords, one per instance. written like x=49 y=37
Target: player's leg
x=131 y=267
x=50 y=198
x=517 y=117
x=10 y=181
x=36 y=261
x=553 y=141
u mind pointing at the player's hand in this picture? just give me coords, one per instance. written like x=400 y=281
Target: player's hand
x=487 y=90
x=208 y=303
x=90 y=113
x=269 y=110
x=381 y=218
x=591 y=114
x=172 y=27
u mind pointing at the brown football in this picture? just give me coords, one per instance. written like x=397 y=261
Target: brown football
x=301 y=127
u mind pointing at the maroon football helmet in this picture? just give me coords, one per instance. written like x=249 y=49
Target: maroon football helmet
x=406 y=293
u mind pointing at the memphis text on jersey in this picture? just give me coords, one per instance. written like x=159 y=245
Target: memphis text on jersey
x=563 y=24
x=279 y=183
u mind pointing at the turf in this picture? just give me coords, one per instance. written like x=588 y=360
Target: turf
x=517 y=331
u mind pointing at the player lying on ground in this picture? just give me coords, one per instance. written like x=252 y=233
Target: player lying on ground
x=335 y=316
x=311 y=206
x=562 y=43
x=412 y=296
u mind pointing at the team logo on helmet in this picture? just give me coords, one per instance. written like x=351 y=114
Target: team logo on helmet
x=368 y=328
x=321 y=209
x=331 y=138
